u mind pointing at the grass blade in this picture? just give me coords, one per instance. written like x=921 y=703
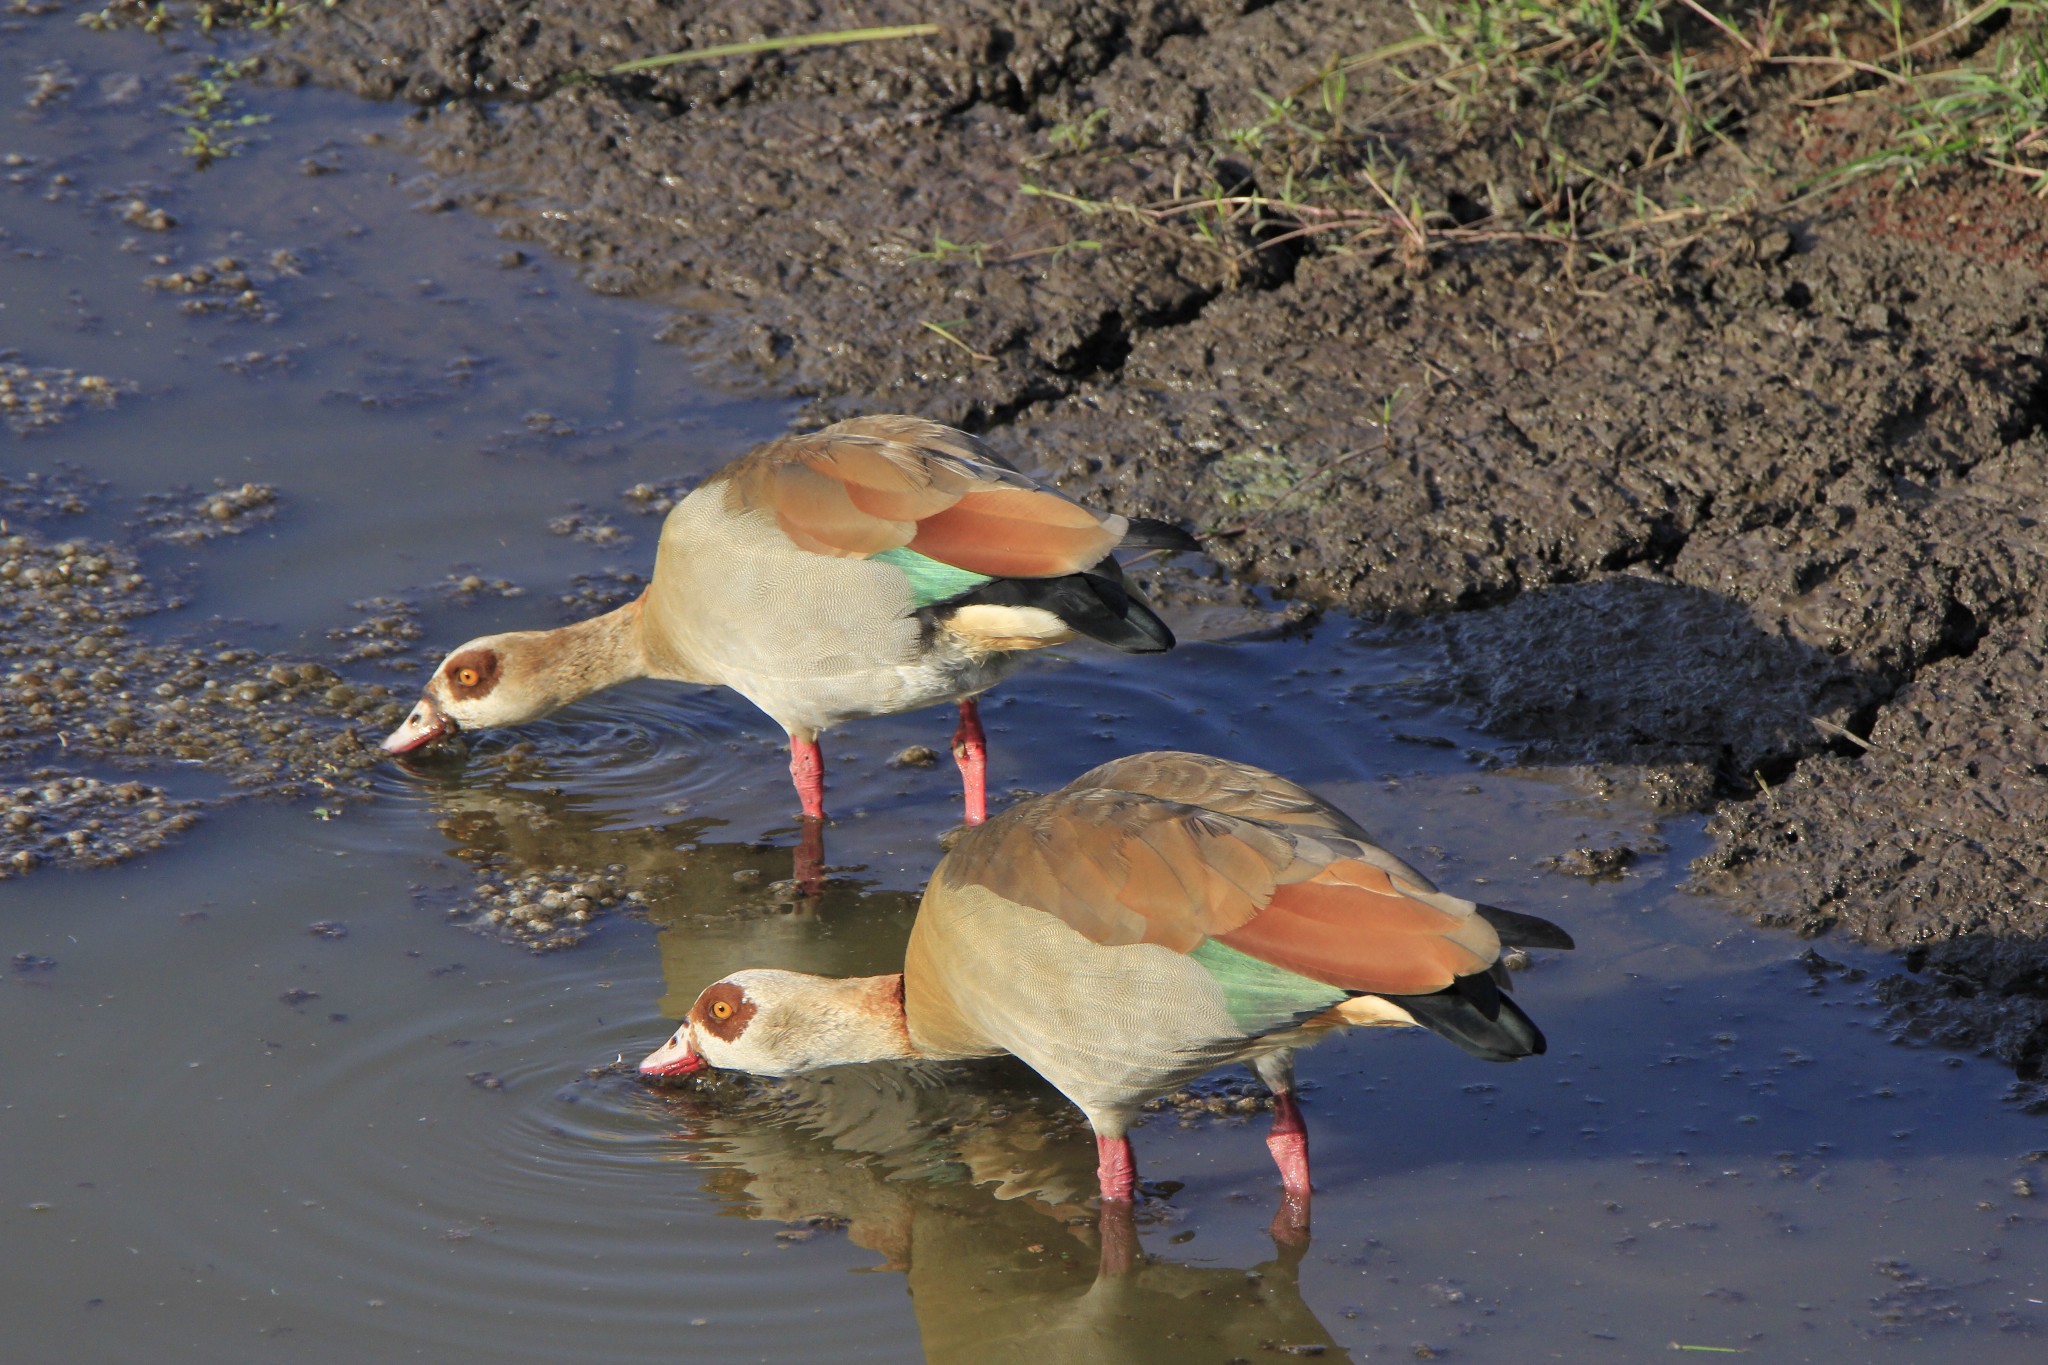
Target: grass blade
x=838 y=38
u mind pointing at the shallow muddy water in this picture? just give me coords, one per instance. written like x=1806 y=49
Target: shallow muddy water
x=263 y=1097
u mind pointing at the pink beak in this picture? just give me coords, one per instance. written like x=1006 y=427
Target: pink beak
x=672 y=1058
x=425 y=725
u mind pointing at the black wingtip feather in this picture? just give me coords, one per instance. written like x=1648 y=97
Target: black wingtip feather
x=1149 y=533
x=1525 y=931
x=1128 y=625
x=1473 y=1013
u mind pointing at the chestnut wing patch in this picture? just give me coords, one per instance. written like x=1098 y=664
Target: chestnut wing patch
x=877 y=484
x=1017 y=533
x=1123 y=868
x=1352 y=926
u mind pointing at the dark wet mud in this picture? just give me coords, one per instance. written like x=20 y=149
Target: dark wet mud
x=283 y=1076
x=1820 y=430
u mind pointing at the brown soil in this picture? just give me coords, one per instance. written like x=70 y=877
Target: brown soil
x=1755 y=520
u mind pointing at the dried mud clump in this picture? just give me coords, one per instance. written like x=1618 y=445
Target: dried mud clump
x=34 y=399
x=1594 y=864
x=543 y=872
x=656 y=499
x=603 y=590
x=183 y=517
x=543 y=910
x=35 y=496
x=60 y=819
x=465 y=589
x=223 y=286
x=590 y=527
x=80 y=682
x=1213 y=1097
x=1913 y=1304
x=385 y=636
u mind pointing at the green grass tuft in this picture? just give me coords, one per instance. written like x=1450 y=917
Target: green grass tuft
x=211 y=112
x=1367 y=151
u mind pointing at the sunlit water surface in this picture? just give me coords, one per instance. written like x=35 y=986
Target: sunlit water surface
x=224 y=1136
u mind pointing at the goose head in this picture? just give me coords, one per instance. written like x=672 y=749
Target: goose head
x=775 y=1023
x=493 y=680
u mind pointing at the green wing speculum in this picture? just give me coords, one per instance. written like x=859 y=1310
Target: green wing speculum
x=1263 y=998
x=931 y=581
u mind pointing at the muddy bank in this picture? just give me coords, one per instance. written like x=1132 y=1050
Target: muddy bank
x=1926 y=835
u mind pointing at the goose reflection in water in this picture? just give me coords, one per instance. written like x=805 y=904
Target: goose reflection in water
x=974 y=1191
x=525 y=826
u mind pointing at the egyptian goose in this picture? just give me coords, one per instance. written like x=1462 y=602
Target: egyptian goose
x=879 y=565
x=1160 y=916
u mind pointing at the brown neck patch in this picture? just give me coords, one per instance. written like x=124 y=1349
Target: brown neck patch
x=723 y=1011
x=480 y=667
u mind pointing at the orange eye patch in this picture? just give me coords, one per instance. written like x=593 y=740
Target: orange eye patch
x=472 y=673
x=723 y=1010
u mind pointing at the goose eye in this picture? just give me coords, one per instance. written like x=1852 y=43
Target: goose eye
x=721 y=1009
x=468 y=677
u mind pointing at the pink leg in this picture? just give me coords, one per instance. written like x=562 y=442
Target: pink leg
x=1288 y=1142
x=1116 y=1170
x=807 y=770
x=970 y=751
